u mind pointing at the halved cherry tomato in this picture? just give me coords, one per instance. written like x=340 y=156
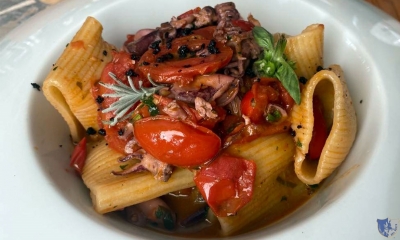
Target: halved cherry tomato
x=206 y=32
x=120 y=65
x=244 y=25
x=168 y=66
x=226 y=184
x=176 y=142
x=78 y=156
x=256 y=101
x=320 y=132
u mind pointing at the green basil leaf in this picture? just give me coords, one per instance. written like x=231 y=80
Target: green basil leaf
x=288 y=78
x=263 y=38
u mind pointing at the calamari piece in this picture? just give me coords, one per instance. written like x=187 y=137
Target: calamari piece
x=306 y=49
x=330 y=87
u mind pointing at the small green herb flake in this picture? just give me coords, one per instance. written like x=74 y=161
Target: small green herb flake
x=55 y=68
x=127 y=96
x=273 y=62
x=123 y=166
x=148 y=101
x=298 y=143
x=165 y=215
x=274 y=116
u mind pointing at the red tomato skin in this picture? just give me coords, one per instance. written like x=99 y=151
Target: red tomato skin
x=206 y=32
x=244 y=25
x=78 y=156
x=176 y=142
x=183 y=70
x=226 y=184
x=320 y=133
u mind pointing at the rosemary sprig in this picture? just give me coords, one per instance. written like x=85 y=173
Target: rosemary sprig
x=127 y=96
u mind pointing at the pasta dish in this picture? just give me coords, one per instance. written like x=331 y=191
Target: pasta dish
x=208 y=121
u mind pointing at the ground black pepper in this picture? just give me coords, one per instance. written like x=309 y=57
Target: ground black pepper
x=183 y=51
x=91 y=131
x=303 y=80
x=102 y=132
x=105 y=53
x=212 y=47
x=131 y=73
x=135 y=57
x=99 y=99
x=121 y=132
x=36 y=86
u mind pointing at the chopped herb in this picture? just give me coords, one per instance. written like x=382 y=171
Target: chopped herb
x=273 y=62
x=67 y=45
x=285 y=183
x=55 y=68
x=166 y=216
x=36 y=86
x=274 y=116
x=298 y=143
x=136 y=117
x=123 y=166
x=148 y=101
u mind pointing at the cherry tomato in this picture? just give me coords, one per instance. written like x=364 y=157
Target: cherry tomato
x=206 y=32
x=226 y=184
x=78 y=156
x=320 y=133
x=255 y=102
x=176 y=142
x=179 y=63
x=244 y=25
x=121 y=66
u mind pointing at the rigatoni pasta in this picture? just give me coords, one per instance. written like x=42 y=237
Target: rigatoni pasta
x=68 y=85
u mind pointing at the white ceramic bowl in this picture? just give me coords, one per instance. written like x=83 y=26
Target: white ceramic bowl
x=41 y=197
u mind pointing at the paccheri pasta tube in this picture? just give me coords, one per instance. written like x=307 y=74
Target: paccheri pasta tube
x=206 y=108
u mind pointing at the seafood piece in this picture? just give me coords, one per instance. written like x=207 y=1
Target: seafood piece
x=329 y=85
